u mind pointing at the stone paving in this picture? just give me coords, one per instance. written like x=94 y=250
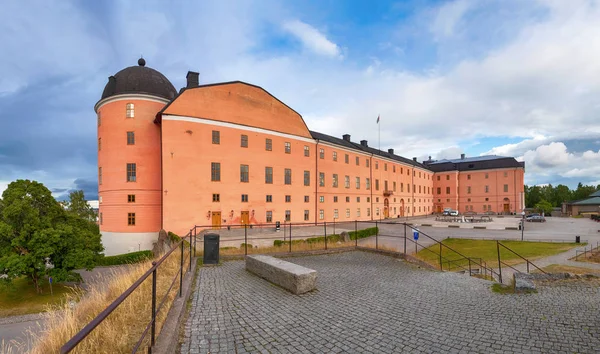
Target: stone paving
x=367 y=302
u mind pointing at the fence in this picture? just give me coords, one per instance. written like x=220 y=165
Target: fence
x=587 y=253
x=148 y=336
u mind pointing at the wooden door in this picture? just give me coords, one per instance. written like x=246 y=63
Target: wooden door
x=245 y=217
x=216 y=219
x=507 y=208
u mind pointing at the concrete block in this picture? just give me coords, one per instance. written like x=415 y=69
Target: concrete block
x=454 y=226
x=295 y=278
x=480 y=227
x=523 y=283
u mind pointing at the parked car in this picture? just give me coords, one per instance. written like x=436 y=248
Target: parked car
x=453 y=212
x=447 y=211
x=536 y=218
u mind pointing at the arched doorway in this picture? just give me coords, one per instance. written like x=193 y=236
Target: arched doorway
x=401 y=207
x=506 y=208
x=386 y=208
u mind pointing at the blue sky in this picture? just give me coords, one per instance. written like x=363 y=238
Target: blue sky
x=508 y=77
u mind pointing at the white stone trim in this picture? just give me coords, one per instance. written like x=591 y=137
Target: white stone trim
x=130 y=96
x=124 y=242
x=235 y=126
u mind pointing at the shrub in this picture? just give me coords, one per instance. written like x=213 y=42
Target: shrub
x=243 y=244
x=127 y=258
x=175 y=238
x=372 y=231
x=279 y=243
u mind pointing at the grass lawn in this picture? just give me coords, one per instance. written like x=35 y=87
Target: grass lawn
x=559 y=268
x=20 y=298
x=486 y=250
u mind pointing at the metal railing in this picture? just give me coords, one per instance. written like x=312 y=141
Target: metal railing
x=500 y=262
x=155 y=310
x=587 y=252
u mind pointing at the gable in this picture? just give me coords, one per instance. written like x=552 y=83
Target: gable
x=238 y=103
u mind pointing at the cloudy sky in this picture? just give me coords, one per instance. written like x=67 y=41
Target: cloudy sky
x=509 y=77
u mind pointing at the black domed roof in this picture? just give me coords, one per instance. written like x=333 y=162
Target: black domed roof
x=139 y=79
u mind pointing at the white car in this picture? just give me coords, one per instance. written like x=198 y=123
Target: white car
x=453 y=212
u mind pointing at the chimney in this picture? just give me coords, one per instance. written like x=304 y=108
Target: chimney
x=346 y=137
x=193 y=79
x=391 y=151
x=363 y=143
x=415 y=159
x=462 y=156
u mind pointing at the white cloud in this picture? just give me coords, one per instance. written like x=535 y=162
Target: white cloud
x=312 y=39
x=548 y=156
x=448 y=17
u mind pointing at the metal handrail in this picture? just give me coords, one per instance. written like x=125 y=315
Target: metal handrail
x=523 y=258
x=85 y=331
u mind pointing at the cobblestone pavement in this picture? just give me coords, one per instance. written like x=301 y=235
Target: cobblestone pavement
x=372 y=303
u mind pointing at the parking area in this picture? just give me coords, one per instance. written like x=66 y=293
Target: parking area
x=367 y=302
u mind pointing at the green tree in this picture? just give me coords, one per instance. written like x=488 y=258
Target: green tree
x=583 y=192
x=562 y=194
x=544 y=206
x=533 y=195
x=79 y=206
x=34 y=228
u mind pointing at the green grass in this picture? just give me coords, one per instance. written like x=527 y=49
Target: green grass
x=126 y=258
x=487 y=251
x=19 y=297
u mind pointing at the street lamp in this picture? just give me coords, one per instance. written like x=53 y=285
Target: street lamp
x=522 y=224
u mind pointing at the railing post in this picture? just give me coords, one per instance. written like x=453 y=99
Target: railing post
x=181 y=272
x=404 y=238
x=499 y=264
x=470 y=274
x=195 y=238
x=527 y=267
x=376 y=236
x=325 y=232
x=190 y=267
x=290 y=237
x=441 y=268
x=355 y=233
x=153 y=328
x=245 y=240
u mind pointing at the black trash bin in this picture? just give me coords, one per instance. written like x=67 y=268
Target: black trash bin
x=277 y=226
x=577 y=239
x=211 y=249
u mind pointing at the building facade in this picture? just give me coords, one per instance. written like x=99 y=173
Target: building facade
x=231 y=153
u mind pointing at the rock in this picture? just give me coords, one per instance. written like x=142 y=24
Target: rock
x=163 y=243
x=344 y=236
x=523 y=283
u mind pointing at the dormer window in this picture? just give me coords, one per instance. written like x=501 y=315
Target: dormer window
x=130 y=113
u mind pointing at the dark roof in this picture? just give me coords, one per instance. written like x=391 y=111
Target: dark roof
x=589 y=201
x=595 y=194
x=367 y=149
x=139 y=79
x=474 y=163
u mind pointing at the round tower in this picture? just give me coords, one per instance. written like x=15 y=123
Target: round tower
x=129 y=158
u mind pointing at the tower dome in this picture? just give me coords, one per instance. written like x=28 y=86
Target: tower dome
x=139 y=79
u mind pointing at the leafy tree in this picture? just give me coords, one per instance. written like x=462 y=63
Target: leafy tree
x=544 y=206
x=79 y=206
x=562 y=194
x=34 y=227
x=533 y=195
x=583 y=192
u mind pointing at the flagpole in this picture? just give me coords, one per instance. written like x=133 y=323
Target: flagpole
x=379 y=128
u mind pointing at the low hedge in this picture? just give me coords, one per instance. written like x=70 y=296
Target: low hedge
x=279 y=243
x=126 y=258
x=372 y=231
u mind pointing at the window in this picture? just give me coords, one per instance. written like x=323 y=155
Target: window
x=307 y=178
x=486 y=175
x=288 y=215
x=269 y=198
x=487 y=189
x=348 y=212
x=377 y=211
x=368 y=211
x=288 y=148
x=321 y=179
x=484 y=207
x=347 y=181
x=447 y=190
x=306 y=198
x=130 y=138
x=322 y=199
x=347 y=199
x=216 y=137
x=419 y=174
x=489 y=207
x=419 y=189
x=377 y=199
x=288 y=198
x=131 y=219
x=368 y=199
x=322 y=153
x=215 y=171
x=288 y=176
x=99 y=144
x=439 y=190
x=358 y=199
x=306 y=150
x=438 y=178
x=335 y=199
x=322 y=214
x=402 y=187
x=394 y=168
x=368 y=183
x=385 y=186
x=505 y=174
x=376 y=184
x=376 y=165
x=487 y=199
x=468 y=200
x=335 y=214
x=216 y=197
x=335 y=180
x=367 y=162
x=269 y=175
x=347 y=158
x=468 y=176
x=244 y=173
x=357 y=182
x=129 y=110
x=358 y=212
x=269 y=216
x=357 y=161
x=268 y=144
x=385 y=166
x=244 y=198
x=99 y=175
x=244 y=142
x=131 y=173
x=468 y=189
x=408 y=187
x=447 y=177
x=99 y=119
x=334 y=156
x=506 y=188
x=130 y=198
x=394 y=186
x=306 y=215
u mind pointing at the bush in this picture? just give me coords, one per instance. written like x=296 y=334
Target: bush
x=372 y=231
x=175 y=239
x=243 y=244
x=279 y=243
x=127 y=258
x=330 y=238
